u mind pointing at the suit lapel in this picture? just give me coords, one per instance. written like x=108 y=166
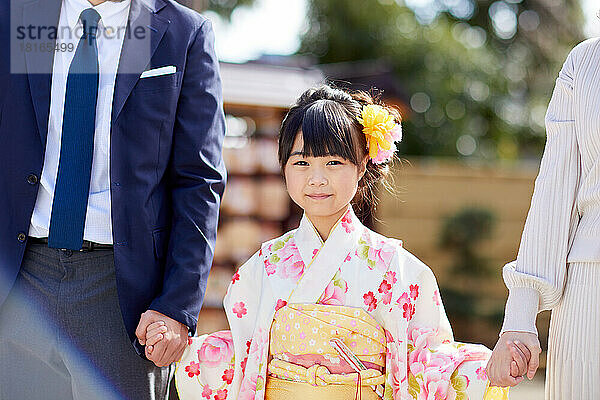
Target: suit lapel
x=145 y=30
x=43 y=14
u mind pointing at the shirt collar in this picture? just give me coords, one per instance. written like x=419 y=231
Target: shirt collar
x=113 y=14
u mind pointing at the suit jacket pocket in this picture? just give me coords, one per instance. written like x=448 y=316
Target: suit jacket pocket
x=157 y=83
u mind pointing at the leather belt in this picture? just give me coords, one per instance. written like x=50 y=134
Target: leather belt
x=87 y=245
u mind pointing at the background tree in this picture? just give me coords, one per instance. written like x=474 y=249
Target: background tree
x=478 y=74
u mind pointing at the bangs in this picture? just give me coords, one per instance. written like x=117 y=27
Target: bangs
x=328 y=129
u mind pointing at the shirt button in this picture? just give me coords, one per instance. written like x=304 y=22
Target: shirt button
x=21 y=237
x=32 y=179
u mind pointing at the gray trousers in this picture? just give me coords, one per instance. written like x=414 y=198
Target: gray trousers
x=62 y=335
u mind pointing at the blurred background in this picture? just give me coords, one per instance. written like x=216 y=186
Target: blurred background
x=472 y=79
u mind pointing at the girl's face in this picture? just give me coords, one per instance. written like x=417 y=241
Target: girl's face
x=322 y=186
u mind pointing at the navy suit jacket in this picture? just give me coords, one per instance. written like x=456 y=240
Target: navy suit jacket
x=166 y=168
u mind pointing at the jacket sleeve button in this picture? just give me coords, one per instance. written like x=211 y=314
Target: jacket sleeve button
x=21 y=237
x=32 y=179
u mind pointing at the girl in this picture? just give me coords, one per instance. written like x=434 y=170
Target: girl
x=333 y=310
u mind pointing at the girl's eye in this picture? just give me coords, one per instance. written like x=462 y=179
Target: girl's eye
x=335 y=162
x=301 y=163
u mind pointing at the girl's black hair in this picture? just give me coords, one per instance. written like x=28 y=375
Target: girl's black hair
x=327 y=118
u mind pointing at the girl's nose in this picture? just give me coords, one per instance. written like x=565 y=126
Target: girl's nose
x=317 y=179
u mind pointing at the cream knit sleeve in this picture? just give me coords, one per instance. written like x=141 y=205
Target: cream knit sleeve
x=536 y=279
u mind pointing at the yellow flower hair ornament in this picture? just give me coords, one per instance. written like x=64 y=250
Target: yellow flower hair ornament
x=381 y=131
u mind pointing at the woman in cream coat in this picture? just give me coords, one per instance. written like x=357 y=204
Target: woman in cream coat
x=558 y=264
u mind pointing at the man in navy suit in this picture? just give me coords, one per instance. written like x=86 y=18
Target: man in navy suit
x=111 y=176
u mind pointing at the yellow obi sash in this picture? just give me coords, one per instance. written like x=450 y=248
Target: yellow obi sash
x=305 y=363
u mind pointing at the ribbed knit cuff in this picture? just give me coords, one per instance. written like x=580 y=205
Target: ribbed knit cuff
x=521 y=310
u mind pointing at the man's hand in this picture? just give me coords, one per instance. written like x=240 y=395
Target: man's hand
x=499 y=366
x=173 y=343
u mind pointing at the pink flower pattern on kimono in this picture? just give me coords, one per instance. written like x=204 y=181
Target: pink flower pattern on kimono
x=414 y=291
x=259 y=341
x=347 y=222
x=335 y=292
x=334 y=295
x=405 y=302
x=274 y=252
x=481 y=374
x=239 y=309
x=422 y=339
x=216 y=348
x=228 y=376
x=385 y=288
x=193 y=369
x=290 y=265
x=270 y=267
x=370 y=301
x=398 y=369
x=435 y=385
x=280 y=304
x=292 y=268
x=382 y=256
x=432 y=370
x=206 y=392
x=221 y=394
x=408 y=309
x=377 y=255
x=390 y=276
x=248 y=389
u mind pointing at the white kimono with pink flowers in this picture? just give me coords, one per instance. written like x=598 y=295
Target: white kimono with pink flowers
x=354 y=267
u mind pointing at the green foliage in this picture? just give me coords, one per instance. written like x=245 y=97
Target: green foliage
x=466 y=229
x=474 y=89
x=464 y=296
x=458 y=303
x=463 y=233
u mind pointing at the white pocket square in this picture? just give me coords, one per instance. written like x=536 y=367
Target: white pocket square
x=169 y=69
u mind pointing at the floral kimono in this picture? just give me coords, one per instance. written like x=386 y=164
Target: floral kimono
x=364 y=278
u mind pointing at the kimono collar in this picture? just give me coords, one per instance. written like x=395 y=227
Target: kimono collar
x=324 y=259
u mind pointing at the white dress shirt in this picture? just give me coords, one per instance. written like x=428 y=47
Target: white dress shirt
x=111 y=31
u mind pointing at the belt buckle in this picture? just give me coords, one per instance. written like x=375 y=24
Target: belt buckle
x=87 y=246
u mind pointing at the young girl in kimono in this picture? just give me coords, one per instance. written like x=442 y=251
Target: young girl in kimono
x=333 y=310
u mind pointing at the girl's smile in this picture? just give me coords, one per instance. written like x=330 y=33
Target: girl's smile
x=319 y=196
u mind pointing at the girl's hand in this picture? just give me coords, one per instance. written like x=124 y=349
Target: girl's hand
x=521 y=356
x=154 y=334
x=499 y=367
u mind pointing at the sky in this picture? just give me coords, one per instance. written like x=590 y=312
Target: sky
x=275 y=27
x=269 y=27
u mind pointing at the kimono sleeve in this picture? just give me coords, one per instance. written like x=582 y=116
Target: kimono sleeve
x=212 y=364
x=437 y=366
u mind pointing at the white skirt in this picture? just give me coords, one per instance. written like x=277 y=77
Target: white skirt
x=573 y=370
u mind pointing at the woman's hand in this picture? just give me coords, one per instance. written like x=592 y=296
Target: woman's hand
x=499 y=366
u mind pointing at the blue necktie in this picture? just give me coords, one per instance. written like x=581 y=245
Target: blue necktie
x=71 y=192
